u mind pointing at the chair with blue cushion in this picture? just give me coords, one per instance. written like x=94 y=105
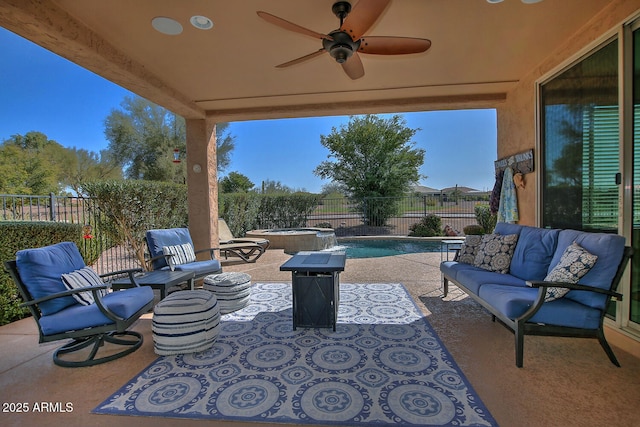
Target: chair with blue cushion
x=68 y=300
x=172 y=249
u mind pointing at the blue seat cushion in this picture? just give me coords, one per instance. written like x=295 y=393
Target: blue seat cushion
x=41 y=270
x=123 y=303
x=451 y=268
x=199 y=268
x=475 y=279
x=156 y=239
x=514 y=301
x=609 y=248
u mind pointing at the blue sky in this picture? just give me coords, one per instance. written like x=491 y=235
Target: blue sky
x=40 y=91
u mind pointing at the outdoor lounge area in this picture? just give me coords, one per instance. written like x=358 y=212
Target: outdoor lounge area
x=537 y=64
x=565 y=382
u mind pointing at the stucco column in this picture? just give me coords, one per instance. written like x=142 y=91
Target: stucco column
x=202 y=183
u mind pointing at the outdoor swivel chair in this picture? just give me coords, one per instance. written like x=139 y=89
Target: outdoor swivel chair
x=172 y=249
x=68 y=300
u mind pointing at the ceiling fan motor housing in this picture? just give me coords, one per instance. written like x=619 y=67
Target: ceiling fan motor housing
x=341 y=47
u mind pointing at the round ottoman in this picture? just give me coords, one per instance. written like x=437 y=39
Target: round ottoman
x=185 y=322
x=232 y=290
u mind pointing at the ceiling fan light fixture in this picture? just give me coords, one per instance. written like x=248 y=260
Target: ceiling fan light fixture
x=341 y=53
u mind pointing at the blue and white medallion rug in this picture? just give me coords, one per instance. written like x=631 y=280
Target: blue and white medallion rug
x=383 y=365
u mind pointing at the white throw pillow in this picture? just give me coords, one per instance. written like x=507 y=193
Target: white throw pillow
x=182 y=254
x=80 y=279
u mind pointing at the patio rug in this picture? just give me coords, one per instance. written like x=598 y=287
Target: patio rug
x=384 y=365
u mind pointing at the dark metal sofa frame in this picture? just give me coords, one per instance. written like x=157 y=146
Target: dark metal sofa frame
x=522 y=327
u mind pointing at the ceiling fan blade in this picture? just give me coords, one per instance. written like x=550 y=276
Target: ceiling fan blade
x=283 y=23
x=362 y=17
x=353 y=66
x=393 y=45
x=302 y=59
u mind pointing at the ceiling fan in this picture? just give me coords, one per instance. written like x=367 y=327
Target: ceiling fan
x=345 y=43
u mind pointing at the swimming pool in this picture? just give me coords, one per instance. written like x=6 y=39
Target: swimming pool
x=373 y=248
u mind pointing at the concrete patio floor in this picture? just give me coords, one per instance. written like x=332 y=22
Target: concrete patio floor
x=564 y=382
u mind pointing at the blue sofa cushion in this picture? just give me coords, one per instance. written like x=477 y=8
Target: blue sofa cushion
x=514 y=301
x=609 y=248
x=451 y=268
x=157 y=239
x=533 y=253
x=123 y=303
x=41 y=271
x=475 y=279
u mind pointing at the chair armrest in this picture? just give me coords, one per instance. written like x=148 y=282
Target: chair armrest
x=573 y=287
x=129 y=271
x=210 y=250
x=95 y=288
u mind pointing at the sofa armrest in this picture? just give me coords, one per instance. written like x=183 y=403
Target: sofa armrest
x=573 y=287
x=210 y=250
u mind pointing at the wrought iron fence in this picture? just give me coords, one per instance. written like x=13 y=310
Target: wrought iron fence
x=75 y=210
x=391 y=215
x=373 y=216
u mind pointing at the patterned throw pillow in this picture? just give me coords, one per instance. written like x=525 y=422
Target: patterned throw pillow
x=182 y=254
x=81 y=279
x=575 y=262
x=469 y=249
x=495 y=252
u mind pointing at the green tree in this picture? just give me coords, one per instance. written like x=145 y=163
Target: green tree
x=85 y=165
x=373 y=158
x=235 y=182
x=143 y=137
x=32 y=164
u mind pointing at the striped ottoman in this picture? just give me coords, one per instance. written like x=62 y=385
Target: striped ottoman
x=185 y=322
x=233 y=290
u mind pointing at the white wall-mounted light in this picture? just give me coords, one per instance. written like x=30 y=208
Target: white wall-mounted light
x=201 y=22
x=167 y=26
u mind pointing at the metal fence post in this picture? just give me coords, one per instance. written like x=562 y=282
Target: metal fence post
x=52 y=207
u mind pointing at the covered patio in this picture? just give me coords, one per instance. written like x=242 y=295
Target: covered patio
x=565 y=382
x=483 y=55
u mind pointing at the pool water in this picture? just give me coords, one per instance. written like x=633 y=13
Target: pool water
x=368 y=248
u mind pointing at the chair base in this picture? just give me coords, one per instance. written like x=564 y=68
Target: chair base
x=96 y=342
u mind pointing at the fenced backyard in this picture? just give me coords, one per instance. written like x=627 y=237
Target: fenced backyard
x=347 y=217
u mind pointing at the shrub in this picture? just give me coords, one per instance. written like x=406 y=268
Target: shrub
x=127 y=209
x=323 y=225
x=428 y=226
x=485 y=218
x=473 y=229
x=18 y=235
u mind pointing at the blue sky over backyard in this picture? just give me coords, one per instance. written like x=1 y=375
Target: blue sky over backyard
x=43 y=92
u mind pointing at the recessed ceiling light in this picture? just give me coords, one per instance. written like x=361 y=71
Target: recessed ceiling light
x=201 y=22
x=166 y=25
x=531 y=1
x=494 y=1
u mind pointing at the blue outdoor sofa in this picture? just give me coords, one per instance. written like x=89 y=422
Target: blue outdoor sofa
x=515 y=291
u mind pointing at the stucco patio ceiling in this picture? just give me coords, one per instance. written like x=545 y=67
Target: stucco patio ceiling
x=479 y=52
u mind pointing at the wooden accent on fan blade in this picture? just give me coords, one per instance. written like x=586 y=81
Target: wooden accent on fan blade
x=362 y=17
x=393 y=45
x=302 y=58
x=353 y=66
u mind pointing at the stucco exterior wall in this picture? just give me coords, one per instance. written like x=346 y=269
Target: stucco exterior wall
x=517 y=116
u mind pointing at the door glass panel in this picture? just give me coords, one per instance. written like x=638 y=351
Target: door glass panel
x=634 y=297
x=580 y=144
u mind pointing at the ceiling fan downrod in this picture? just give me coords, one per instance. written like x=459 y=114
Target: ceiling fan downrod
x=342 y=46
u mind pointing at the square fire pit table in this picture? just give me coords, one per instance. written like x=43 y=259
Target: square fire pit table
x=316 y=287
x=158 y=279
